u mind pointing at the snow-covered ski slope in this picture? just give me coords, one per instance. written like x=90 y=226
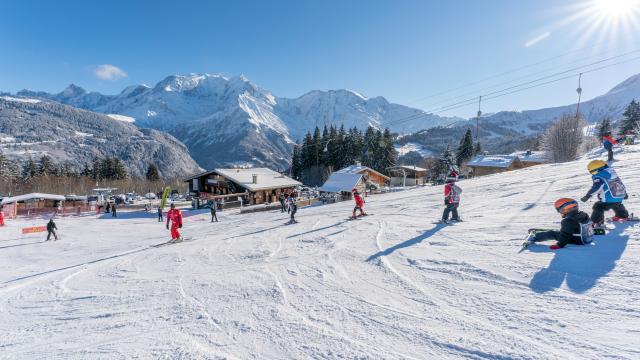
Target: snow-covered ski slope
x=388 y=286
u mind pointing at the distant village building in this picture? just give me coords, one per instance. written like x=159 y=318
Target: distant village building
x=404 y=175
x=531 y=158
x=33 y=204
x=371 y=177
x=343 y=183
x=252 y=185
x=493 y=164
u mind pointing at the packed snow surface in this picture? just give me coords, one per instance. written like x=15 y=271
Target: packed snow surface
x=24 y=100
x=123 y=118
x=391 y=285
x=413 y=147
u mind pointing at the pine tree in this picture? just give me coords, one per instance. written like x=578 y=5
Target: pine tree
x=368 y=148
x=603 y=128
x=86 y=170
x=29 y=170
x=119 y=171
x=296 y=161
x=631 y=119
x=317 y=147
x=46 y=167
x=389 y=153
x=308 y=152
x=98 y=172
x=8 y=169
x=465 y=150
x=152 y=173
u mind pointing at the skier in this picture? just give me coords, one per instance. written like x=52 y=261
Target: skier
x=174 y=216
x=282 y=200
x=108 y=207
x=611 y=192
x=451 y=198
x=607 y=143
x=159 y=214
x=214 y=206
x=1 y=215
x=359 y=203
x=51 y=230
x=575 y=227
x=113 y=210
x=293 y=208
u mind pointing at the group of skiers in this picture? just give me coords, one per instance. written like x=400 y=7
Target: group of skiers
x=577 y=227
x=112 y=208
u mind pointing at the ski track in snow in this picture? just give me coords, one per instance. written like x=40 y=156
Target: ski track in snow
x=389 y=286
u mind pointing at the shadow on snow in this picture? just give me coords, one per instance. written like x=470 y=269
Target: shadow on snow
x=413 y=241
x=580 y=266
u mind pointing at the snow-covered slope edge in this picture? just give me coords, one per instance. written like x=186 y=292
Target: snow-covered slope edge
x=391 y=285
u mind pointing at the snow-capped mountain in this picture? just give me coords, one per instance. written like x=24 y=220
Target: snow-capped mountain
x=31 y=128
x=231 y=121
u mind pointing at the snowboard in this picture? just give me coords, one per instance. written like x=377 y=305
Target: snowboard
x=630 y=219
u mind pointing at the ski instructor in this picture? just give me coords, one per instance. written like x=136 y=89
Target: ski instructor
x=174 y=216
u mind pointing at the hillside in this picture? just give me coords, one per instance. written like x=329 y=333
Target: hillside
x=231 y=121
x=389 y=286
x=32 y=128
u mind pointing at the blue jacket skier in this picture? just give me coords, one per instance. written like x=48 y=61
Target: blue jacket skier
x=610 y=190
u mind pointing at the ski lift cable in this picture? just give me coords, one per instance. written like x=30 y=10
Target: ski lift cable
x=490 y=77
x=496 y=94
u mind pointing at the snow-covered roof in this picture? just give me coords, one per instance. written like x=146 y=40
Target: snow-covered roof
x=499 y=161
x=359 y=169
x=407 y=167
x=338 y=182
x=32 y=196
x=267 y=178
x=531 y=156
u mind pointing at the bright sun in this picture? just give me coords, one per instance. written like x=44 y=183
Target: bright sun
x=615 y=9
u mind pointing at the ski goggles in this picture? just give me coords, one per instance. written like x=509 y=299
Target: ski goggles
x=568 y=203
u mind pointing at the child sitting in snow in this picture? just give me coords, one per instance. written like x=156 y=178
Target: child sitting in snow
x=575 y=227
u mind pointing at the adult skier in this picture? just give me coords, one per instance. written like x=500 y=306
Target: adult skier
x=359 y=203
x=51 y=230
x=607 y=143
x=174 y=216
x=575 y=227
x=282 y=200
x=611 y=192
x=159 y=214
x=451 y=198
x=1 y=215
x=214 y=206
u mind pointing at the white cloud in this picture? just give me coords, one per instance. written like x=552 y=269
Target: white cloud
x=109 y=72
x=537 y=39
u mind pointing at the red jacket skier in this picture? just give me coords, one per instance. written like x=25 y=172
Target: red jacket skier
x=359 y=203
x=1 y=215
x=175 y=217
x=451 y=198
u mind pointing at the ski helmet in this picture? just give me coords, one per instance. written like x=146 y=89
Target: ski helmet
x=354 y=190
x=173 y=206
x=565 y=205
x=596 y=166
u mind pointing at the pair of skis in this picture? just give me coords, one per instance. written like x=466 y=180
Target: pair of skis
x=357 y=217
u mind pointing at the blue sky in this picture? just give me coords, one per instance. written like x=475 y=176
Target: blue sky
x=405 y=50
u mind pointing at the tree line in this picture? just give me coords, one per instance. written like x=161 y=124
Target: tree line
x=331 y=149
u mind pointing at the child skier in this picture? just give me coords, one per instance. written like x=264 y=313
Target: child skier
x=51 y=230
x=359 y=203
x=575 y=227
x=160 y=214
x=611 y=192
x=293 y=208
x=174 y=216
x=451 y=199
x=1 y=215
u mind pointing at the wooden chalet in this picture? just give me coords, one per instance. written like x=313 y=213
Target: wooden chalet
x=404 y=175
x=493 y=164
x=250 y=186
x=371 y=177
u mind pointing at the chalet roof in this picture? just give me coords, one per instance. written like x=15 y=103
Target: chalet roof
x=407 y=167
x=339 y=182
x=359 y=169
x=532 y=156
x=32 y=196
x=498 y=161
x=267 y=178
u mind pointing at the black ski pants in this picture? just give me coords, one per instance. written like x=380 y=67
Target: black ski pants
x=450 y=209
x=597 y=216
x=294 y=209
x=52 y=232
x=547 y=235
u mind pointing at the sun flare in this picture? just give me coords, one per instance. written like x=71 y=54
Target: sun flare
x=615 y=9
